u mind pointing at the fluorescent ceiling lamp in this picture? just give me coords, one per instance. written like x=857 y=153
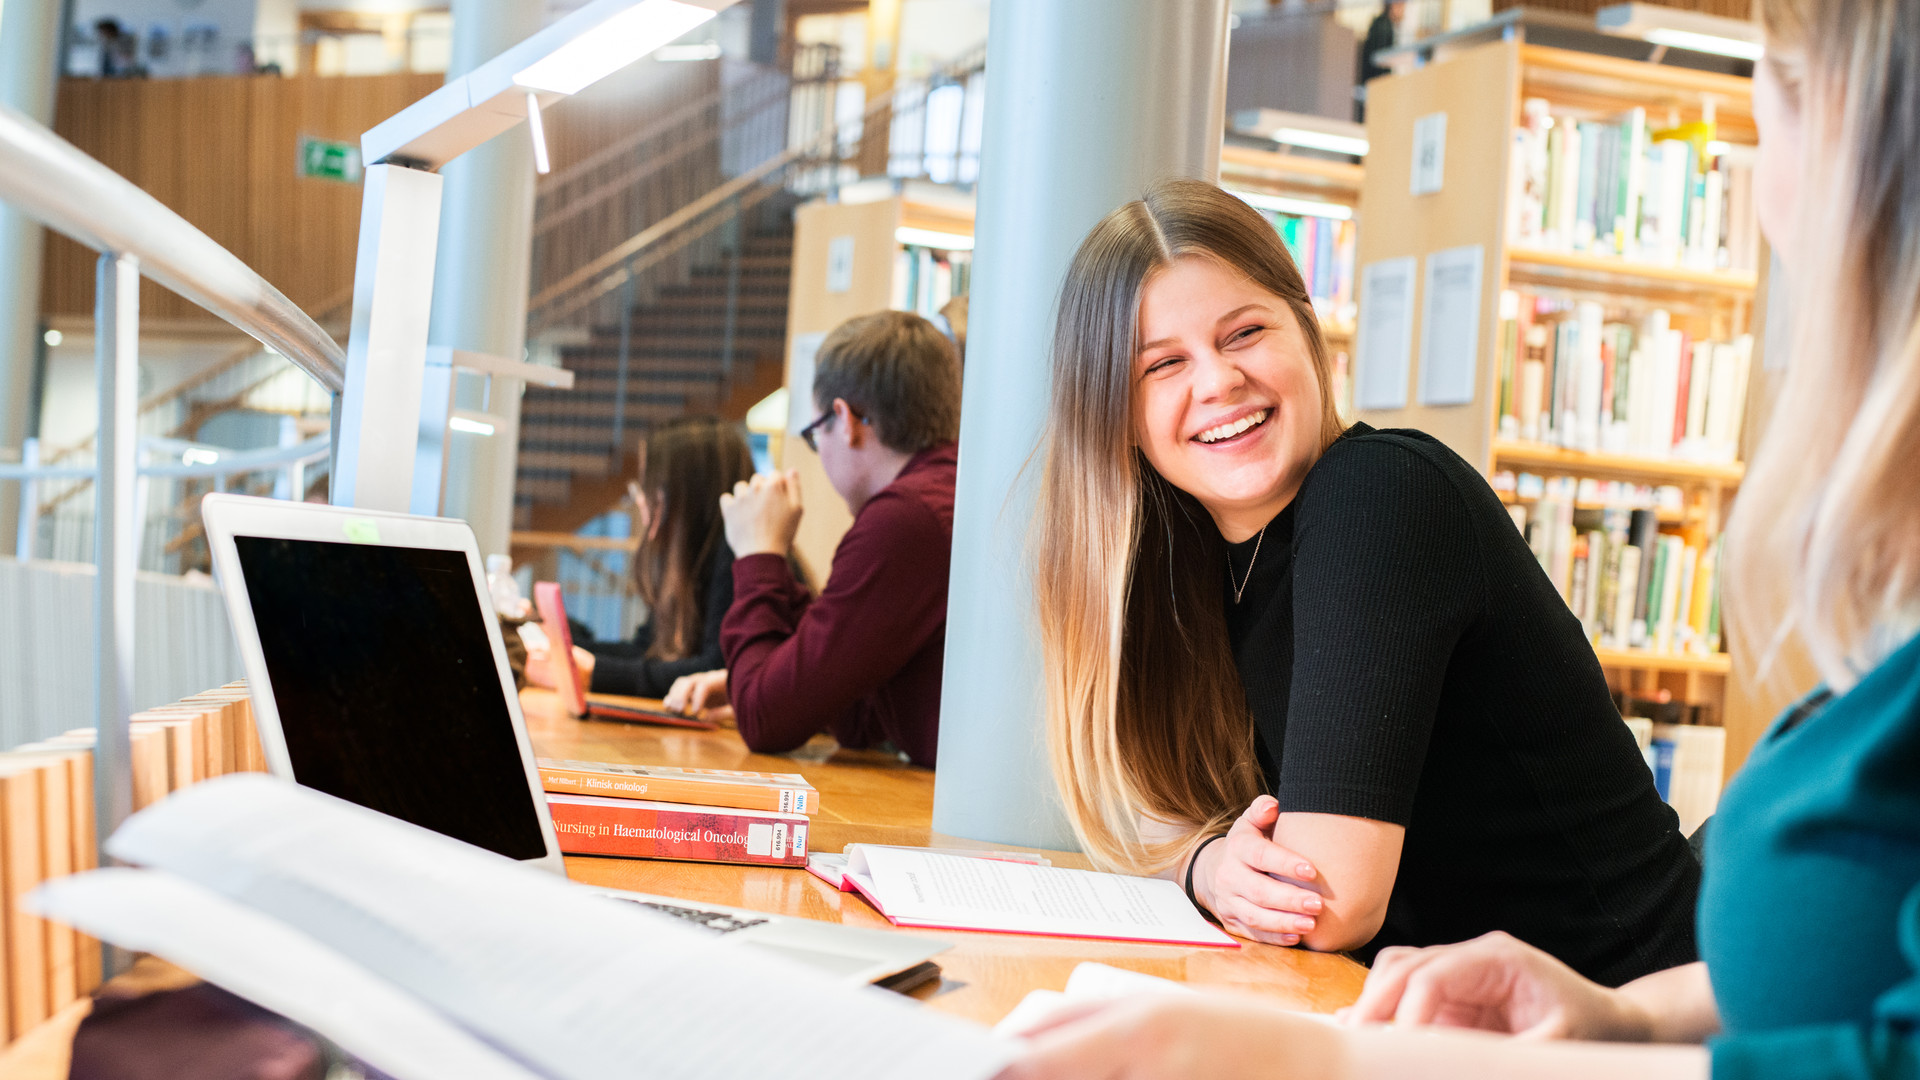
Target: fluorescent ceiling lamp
x=1281 y=204
x=470 y=426
x=539 y=131
x=705 y=50
x=194 y=455
x=1320 y=140
x=1706 y=43
x=53 y=338
x=945 y=241
x=612 y=45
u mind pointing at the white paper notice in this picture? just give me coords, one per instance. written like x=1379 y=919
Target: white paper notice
x=840 y=264
x=1450 y=326
x=800 y=380
x=1429 y=153
x=1386 y=334
x=918 y=888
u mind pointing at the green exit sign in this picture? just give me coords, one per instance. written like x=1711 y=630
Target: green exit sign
x=325 y=159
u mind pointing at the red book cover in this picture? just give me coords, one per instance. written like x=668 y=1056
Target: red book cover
x=592 y=825
x=1681 y=397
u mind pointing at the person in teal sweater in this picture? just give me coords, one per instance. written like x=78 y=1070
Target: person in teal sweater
x=1809 y=914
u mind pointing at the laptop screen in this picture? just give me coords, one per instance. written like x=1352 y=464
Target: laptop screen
x=387 y=688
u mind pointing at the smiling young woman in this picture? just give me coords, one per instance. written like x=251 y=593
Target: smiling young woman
x=1328 y=649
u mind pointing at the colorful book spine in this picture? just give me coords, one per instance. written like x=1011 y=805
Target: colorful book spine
x=783 y=793
x=591 y=825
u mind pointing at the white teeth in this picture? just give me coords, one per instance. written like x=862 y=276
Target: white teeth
x=1228 y=431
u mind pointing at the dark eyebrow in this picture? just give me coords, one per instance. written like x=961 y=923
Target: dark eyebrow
x=1228 y=317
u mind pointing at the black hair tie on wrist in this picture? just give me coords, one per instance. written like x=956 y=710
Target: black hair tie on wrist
x=1193 y=862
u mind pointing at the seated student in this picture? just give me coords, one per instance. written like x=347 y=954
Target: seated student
x=1335 y=637
x=683 y=569
x=1810 y=908
x=863 y=660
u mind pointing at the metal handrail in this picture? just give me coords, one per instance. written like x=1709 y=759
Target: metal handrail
x=52 y=181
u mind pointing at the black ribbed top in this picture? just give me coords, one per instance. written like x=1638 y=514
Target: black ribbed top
x=1407 y=660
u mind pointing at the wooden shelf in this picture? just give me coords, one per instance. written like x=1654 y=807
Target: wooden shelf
x=1605 y=271
x=1643 y=660
x=1535 y=455
x=1663 y=515
x=1291 y=174
x=1605 y=85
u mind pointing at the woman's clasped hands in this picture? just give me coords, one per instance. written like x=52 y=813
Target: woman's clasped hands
x=1255 y=887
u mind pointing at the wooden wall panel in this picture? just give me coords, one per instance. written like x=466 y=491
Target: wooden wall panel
x=221 y=152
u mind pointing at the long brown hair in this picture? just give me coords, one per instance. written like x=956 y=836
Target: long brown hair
x=1825 y=540
x=1146 y=718
x=685 y=466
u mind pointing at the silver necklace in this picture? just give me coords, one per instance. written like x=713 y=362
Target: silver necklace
x=1240 y=589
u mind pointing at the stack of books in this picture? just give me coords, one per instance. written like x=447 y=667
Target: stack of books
x=702 y=815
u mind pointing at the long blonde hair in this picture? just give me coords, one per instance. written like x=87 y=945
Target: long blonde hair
x=1825 y=540
x=1146 y=718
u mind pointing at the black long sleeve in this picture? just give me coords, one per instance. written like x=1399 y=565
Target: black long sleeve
x=630 y=671
x=1406 y=660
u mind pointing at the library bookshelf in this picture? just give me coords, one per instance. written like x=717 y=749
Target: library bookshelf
x=1670 y=278
x=1314 y=203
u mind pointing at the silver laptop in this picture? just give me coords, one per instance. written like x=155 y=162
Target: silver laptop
x=378 y=676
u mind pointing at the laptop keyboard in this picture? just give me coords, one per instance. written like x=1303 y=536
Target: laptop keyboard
x=717 y=921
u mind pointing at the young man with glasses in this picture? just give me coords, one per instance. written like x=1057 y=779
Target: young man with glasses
x=862 y=660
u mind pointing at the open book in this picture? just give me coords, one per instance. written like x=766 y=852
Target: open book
x=926 y=888
x=429 y=958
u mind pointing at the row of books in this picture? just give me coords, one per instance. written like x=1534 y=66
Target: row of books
x=656 y=812
x=1571 y=377
x=1632 y=586
x=1324 y=251
x=47 y=831
x=1593 y=492
x=1687 y=761
x=1624 y=188
x=925 y=279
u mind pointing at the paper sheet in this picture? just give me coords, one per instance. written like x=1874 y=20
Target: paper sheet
x=1089 y=982
x=800 y=380
x=1450 y=326
x=575 y=984
x=275 y=967
x=1386 y=334
x=923 y=888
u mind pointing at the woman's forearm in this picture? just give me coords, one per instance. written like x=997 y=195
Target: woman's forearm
x=1678 y=1004
x=1450 y=1054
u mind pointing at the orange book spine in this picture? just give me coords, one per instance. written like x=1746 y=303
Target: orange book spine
x=698 y=792
x=594 y=826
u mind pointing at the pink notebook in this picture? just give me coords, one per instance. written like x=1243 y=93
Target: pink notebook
x=572 y=689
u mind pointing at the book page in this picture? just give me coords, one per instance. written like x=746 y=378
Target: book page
x=576 y=984
x=924 y=888
x=275 y=967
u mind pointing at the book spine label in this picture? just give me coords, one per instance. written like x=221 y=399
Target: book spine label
x=653 y=833
x=783 y=800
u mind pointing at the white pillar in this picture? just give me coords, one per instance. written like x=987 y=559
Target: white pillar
x=1091 y=101
x=116 y=536
x=29 y=70
x=480 y=284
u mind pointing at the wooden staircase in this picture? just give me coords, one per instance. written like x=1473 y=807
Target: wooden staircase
x=678 y=364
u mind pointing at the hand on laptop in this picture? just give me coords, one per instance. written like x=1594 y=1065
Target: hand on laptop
x=762 y=514
x=691 y=695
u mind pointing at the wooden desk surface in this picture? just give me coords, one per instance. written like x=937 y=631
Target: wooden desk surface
x=865 y=797
x=870 y=797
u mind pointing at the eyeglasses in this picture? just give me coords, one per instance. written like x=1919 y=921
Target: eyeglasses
x=806 y=433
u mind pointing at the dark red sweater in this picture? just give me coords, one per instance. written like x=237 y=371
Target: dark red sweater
x=862 y=661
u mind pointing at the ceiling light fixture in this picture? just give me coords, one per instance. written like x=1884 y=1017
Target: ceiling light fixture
x=612 y=45
x=1281 y=204
x=1320 y=140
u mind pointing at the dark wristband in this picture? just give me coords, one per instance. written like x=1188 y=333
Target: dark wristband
x=1193 y=862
